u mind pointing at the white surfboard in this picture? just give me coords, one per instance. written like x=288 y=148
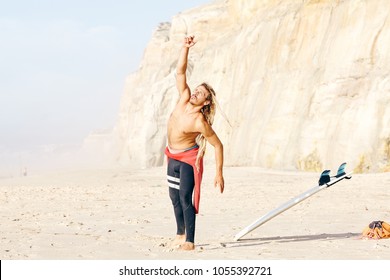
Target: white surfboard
x=294 y=201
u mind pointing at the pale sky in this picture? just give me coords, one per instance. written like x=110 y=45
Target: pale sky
x=63 y=64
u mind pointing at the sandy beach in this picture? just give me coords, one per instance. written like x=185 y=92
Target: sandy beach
x=126 y=214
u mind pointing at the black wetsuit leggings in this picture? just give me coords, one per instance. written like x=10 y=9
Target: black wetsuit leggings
x=181 y=186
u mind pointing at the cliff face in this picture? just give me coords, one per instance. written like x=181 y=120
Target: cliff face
x=305 y=84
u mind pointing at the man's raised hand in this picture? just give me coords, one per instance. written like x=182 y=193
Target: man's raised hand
x=189 y=41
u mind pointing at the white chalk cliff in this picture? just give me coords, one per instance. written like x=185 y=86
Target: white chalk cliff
x=304 y=84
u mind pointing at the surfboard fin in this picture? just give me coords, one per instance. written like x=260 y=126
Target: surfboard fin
x=324 y=178
x=341 y=170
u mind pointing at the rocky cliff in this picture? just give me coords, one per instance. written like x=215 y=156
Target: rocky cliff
x=304 y=84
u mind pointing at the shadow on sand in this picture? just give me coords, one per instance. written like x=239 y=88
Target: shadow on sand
x=285 y=239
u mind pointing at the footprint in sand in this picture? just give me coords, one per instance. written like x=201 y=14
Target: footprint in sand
x=138 y=221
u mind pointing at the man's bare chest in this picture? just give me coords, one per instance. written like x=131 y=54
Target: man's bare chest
x=183 y=123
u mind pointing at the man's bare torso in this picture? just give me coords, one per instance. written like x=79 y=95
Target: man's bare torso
x=182 y=128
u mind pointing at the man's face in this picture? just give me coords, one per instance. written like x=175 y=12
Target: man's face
x=199 y=96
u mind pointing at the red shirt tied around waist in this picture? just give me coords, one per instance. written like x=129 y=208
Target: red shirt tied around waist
x=189 y=157
x=189 y=124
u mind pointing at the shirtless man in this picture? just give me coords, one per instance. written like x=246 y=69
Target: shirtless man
x=189 y=127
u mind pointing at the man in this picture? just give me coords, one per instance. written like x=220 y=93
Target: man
x=189 y=127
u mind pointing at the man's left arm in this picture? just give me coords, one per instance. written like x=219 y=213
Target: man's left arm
x=218 y=147
x=213 y=139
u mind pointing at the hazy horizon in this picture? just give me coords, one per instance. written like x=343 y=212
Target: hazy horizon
x=64 y=65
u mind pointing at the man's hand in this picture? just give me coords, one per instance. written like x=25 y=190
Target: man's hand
x=219 y=182
x=189 y=41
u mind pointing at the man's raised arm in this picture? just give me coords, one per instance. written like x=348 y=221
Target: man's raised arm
x=181 y=79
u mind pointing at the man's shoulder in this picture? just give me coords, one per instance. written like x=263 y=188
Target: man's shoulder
x=180 y=105
x=201 y=120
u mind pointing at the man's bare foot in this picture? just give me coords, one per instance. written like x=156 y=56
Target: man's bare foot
x=178 y=241
x=187 y=246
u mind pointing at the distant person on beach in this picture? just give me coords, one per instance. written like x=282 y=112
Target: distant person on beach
x=189 y=128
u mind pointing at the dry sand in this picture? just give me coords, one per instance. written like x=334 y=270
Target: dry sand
x=126 y=214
